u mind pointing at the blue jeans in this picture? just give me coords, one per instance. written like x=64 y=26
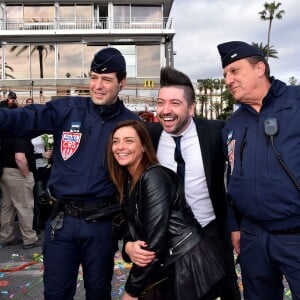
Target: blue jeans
x=264 y=259
x=79 y=242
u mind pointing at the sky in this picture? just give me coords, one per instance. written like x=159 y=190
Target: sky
x=201 y=25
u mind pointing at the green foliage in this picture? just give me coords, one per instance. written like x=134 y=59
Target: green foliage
x=271 y=11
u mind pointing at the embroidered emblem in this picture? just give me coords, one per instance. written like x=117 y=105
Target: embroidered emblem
x=231 y=147
x=69 y=143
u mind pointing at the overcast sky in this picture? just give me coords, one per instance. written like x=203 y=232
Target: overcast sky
x=201 y=25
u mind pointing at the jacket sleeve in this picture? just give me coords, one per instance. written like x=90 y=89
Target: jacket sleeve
x=153 y=212
x=126 y=238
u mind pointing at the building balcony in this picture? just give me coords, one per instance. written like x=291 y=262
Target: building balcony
x=48 y=26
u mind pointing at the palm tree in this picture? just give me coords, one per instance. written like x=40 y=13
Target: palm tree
x=268 y=14
x=41 y=49
x=9 y=68
x=202 y=85
x=228 y=110
x=265 y=49
x=293 y=81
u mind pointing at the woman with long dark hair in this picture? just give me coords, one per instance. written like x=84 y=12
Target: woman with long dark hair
x=182 y=263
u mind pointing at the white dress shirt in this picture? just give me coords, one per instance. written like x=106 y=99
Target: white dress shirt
x=196 y=191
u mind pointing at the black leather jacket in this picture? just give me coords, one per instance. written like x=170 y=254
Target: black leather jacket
x=156 y=212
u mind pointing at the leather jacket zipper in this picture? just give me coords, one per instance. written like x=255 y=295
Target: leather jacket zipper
x=179 y=243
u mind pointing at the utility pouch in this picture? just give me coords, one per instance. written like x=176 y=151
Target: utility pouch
x=56 y=223
x=119 y=223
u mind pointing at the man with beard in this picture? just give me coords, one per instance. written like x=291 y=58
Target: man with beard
x=204 y=167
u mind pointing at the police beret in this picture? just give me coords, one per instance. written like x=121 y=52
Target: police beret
x=108 y=60
x=12 y=95
x=232 y=51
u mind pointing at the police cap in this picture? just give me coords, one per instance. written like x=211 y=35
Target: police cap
x=235 y=50
x=108 y=60
x=12 y=95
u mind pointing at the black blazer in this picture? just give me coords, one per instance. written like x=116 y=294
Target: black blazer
x=210 y=139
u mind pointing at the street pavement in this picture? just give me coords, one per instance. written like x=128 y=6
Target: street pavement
x=21 y=274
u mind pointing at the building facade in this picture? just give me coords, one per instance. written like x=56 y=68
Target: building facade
x=47 y=46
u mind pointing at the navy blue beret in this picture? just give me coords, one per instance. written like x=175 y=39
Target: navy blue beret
x=235 y=50
x=108 y=60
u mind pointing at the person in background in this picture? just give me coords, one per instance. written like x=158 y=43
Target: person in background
x=10 y=102
x=42 y=154
x=17 y=161
x=79 y=179
x=42 y=206
x=157 y=213
x=201 y=147
x=262 y=144
x=29 y=101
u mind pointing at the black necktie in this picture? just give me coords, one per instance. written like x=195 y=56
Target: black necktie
x=178 y=158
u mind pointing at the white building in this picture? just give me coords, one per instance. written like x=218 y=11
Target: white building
x=47 y=46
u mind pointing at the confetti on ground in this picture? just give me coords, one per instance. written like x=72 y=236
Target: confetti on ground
x=19 y=266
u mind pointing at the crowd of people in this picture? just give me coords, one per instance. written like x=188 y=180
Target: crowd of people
x=159 y=186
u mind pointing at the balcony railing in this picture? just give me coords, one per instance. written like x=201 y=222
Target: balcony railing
x=85 y=24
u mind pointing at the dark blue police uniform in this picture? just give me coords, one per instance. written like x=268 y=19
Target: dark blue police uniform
x=265 y=202
x=80 y=181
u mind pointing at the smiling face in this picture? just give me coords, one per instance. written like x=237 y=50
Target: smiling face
x=127 y=148
x=244 y=79
x=104 y=88
x=173 y=110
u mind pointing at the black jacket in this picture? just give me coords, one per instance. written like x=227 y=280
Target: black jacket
x=210 y=139
x=157 y=213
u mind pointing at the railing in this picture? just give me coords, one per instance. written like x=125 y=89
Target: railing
x=84 y=24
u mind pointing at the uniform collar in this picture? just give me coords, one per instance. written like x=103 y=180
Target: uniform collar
x=108 y=111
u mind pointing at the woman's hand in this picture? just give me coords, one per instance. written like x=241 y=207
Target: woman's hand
x=128 y=297
x=138 y=255
x=235 y=240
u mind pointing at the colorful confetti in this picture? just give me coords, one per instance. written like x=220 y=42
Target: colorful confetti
x=19 y=264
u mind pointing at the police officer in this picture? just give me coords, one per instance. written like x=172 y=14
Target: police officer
x=262 y=141
x=10 y=102
x=79 y=178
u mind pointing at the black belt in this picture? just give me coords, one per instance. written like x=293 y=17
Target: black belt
x=90 y=210
x=287 y=231
x=80 y=211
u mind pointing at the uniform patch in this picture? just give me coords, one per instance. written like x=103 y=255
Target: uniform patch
x=69 y=143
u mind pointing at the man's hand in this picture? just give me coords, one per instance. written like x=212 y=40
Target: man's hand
x=22 y=163
x=235 y=240
x=138 y=255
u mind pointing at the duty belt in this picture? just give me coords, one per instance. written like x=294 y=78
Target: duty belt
x=81 y=212
x=90 y=211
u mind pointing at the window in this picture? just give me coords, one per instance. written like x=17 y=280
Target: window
x=148 y=61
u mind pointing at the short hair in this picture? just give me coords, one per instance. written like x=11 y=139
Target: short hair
x=253 y=60
x=119 y=174
x=172 y=77
x=29 y=99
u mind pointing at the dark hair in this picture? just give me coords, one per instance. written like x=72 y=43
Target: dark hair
x=253 y=60
x=27 y=100
x=172 y=77
x=121 y=75
x=119 y=174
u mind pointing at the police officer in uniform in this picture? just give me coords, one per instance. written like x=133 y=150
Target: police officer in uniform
x=262 y=140
x=79 y=178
